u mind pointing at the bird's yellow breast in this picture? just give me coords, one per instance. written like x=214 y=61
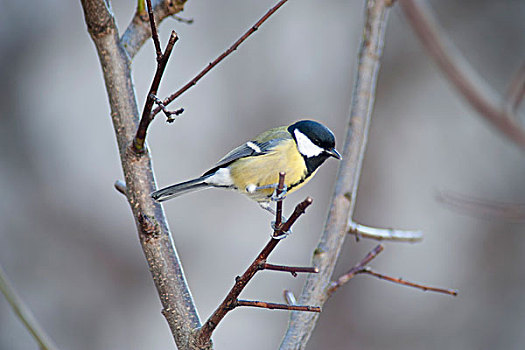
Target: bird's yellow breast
x=264 y=170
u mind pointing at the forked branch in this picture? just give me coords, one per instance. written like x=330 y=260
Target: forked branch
x=343 y=201
x=231 y=300
x=162 y=61
x=221 y=57
x=362 y=268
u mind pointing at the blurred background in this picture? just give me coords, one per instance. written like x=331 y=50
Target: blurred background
x=68 y=241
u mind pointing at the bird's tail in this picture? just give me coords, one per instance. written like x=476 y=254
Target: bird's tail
x=181 y=188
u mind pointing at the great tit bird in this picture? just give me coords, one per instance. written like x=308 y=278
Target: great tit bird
x=253 y=168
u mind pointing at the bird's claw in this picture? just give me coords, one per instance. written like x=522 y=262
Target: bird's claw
x=283 y=234
x=279 y=197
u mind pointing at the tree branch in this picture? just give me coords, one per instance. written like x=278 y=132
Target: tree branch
x=225 y=54
x=294 y=270
x=276 y=306
x=154 y=35
x=483 y=208
x=384 y=234
x=342 y=206
x=457 y=70
x=353 y=271
x=154 y=235
x=401 y=281
x=145 y=120
x=204 y=334
x=516 y=90
x=139 y=30
x=24 y=314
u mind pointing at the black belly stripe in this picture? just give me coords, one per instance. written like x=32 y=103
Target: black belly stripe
x=295 y=184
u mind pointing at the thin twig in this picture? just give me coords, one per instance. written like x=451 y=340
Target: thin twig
x=24 y=314
x=291 y=269
x=483 y=208
x=384 y=234
x=154 y=34
x=145 y=120
x=222 y=56
x=424 y=288
x=276 y=306
x=120 y=186
x=204 y=334
x=345 y=278
x=477 y=92
x=139 y=29
x=279 y=205
x=343 y=200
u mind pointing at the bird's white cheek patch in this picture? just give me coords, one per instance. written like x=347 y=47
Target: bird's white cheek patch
x=306 y=147
x=221 y=177
x=251 y=188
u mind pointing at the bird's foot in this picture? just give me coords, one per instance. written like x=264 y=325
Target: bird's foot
x=284 y=234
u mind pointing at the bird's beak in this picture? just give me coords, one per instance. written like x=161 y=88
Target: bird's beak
x=333 y=152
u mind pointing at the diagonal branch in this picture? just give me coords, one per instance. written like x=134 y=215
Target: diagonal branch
x=342 y=206
x=145 y=120
x=155 y=237
x=483 y=208
x=222 y=56
x=403 y=282
x=516 y=90
x=362 y=268
x=457 y=70
x=154 y=34
x=24 y=314
x=354 y=270
x=139 y=30
x=204 y=334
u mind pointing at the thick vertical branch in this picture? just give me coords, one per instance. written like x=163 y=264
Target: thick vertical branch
x=343 y=201
x=155 y=237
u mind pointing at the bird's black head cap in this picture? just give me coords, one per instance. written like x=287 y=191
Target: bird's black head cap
x=316 y=132
x=315 y=142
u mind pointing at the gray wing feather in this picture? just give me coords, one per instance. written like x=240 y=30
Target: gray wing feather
x=248 y=149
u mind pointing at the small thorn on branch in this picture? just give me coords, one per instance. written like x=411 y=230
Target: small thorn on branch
x=120 y=186
x=384 y=234
x=276 y=306
x=401 y=281
x=292 y=269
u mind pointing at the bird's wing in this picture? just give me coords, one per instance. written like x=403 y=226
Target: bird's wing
x=248 y=149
